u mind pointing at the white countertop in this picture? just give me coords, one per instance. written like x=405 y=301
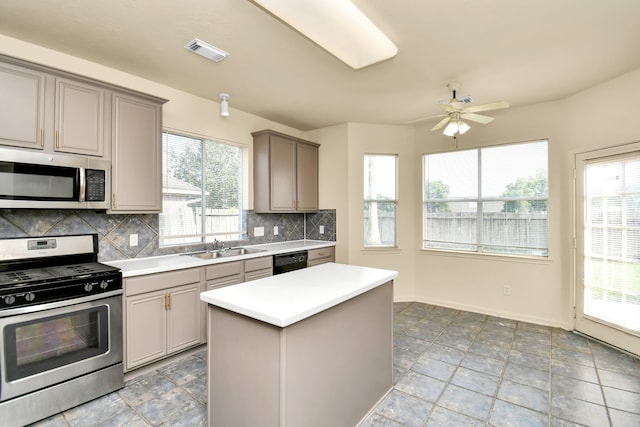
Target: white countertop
x=160 y=264
x=288 y=298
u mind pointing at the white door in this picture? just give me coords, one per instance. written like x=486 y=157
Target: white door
x=608 y=246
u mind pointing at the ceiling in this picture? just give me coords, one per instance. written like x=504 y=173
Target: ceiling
x=524 y=52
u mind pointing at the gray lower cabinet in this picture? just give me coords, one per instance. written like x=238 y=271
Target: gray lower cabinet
x=320 y=256
x=162 y=315
x=258 y=268
x=232 y=273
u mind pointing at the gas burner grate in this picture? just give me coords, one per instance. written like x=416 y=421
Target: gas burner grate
x=20 y=276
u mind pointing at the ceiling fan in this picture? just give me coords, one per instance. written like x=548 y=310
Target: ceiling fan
x=455 y=113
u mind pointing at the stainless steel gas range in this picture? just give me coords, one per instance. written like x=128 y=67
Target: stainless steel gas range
x=60 y=326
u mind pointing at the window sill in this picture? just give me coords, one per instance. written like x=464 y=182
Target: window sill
x=491 y=257
x=381 y=250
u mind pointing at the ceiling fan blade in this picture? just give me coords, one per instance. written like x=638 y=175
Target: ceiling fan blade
x=478 y=118
x=452 y=106
x=487 y=107
x=441 y=123
x=424 y=119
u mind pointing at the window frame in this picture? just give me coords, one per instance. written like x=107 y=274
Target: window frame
x=394 y=202
x=479 y=200
x=208 y=236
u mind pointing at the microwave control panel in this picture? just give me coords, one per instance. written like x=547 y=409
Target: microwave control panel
x=95 y=182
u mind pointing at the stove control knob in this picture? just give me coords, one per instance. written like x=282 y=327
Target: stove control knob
x=9 y=299
x=88 y=287
x=104 y=284
x=29 y=296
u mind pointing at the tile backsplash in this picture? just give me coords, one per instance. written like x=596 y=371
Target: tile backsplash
x=114 y=230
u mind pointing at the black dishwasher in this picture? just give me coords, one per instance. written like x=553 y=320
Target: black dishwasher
x=288 y=262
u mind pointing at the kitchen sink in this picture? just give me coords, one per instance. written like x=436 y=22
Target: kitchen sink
x=226 y=253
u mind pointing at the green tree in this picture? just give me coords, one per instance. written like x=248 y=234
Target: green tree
x=222 y=172
x=436 y=190
x=533 y=186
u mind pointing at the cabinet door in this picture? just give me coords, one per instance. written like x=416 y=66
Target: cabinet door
x=79 y=118
x=146 y=332
x=282 y=156
x=136 y=155
x=307 y=177
x=183 y=317
x=22 y=94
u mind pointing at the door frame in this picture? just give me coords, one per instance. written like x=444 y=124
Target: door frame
x=596 y=328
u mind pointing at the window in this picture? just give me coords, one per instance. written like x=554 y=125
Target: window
x=202 y=186
x=487 y=200
x=380 y=200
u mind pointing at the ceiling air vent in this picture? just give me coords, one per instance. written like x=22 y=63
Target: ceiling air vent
x=206 y=50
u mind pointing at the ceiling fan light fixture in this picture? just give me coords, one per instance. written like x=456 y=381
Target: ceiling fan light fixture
x=338 y=26
x=451 y=128
x=463 y=127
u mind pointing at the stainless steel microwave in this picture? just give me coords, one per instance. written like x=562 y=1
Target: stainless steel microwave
x=53 y=181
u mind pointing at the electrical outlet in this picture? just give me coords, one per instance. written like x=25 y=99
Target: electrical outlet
x=275 y=230
x=506 y=290
x=258 y=231
x=133 y=240
x=321 y=231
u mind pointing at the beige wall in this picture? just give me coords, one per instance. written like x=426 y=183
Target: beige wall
x=542 y=290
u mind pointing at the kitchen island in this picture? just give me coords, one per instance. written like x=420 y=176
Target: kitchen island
x=313 y=347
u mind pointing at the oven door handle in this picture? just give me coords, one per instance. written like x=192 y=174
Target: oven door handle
x=56 y=304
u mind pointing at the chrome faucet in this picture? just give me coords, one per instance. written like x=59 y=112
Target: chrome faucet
x=217 y=246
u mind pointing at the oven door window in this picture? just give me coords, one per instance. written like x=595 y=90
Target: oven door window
x=49 y=342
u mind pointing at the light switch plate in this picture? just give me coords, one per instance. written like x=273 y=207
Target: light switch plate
x=133 y=240
x=258 y=231
x=275 y=230
x=321 y=231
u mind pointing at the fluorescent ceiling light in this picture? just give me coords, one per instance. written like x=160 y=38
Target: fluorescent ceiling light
x=336 y=25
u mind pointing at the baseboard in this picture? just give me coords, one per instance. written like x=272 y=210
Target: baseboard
x=482 y=310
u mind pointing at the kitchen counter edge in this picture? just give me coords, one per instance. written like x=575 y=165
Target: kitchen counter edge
x=164 y=263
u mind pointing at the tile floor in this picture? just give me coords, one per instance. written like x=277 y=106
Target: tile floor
x=452 y=368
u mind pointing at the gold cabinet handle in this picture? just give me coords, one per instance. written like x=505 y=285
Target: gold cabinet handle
x=41 y=137
x=114 y=201
x=57 y=139
x=167 y=302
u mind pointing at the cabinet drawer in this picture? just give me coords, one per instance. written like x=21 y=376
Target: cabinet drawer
x=222 y=270
x=155 y=282
x=329 y=252
x=258 y=274
x=258 y=263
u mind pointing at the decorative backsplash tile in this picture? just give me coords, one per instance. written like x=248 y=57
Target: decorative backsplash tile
x=114 y=230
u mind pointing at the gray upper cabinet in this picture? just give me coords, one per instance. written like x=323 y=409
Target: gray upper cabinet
x=80 y=116
x=21 y=106
x=55 y=111
x=44 y=112
x=136 y=154
x=285 y=173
